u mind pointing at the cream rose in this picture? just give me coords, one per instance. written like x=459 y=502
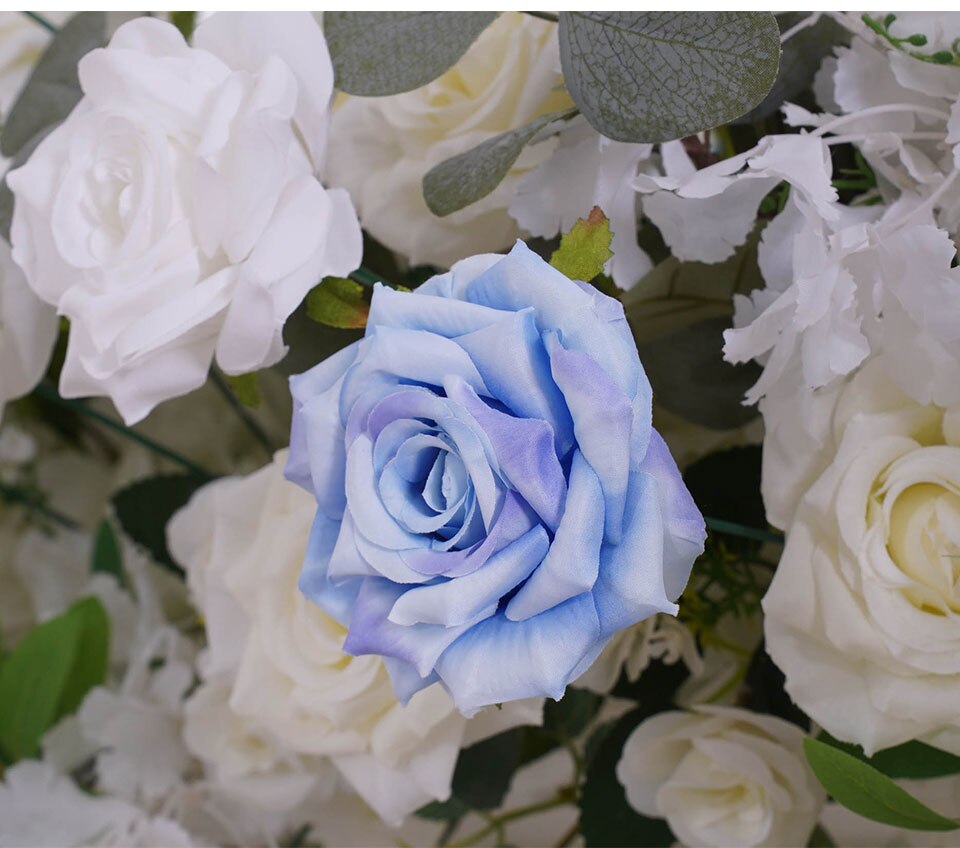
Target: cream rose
x=176 y=213
x=381 y=147
x=722 y=776
x=863 y=615
x=292 y=691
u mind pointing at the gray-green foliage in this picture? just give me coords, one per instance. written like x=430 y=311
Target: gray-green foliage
x=461 y=180
x=380 y=53
x=657 y=76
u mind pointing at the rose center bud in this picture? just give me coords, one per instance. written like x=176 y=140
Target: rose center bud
x=923 y=539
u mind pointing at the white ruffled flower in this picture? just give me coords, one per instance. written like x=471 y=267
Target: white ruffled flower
x=294 y=695
x=862 y=614
x=40 y=807
x=381 y=147
x=588 y=170
x=176 y=213
x=722 y=776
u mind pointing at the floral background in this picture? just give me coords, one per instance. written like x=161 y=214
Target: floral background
x=475 y=428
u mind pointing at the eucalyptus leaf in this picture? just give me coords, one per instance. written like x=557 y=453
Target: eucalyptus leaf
x=381 y=53
x=464 y=179
x=868 y=792
x=53 y=88
x=48 y=674
x=657 y=76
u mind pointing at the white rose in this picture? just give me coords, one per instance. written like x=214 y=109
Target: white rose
x=176 y=213
x=242 y=541
x=381 y=147
x=722 y=776
x=863 y=615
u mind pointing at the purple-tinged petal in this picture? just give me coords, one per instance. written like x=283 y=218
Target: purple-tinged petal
x=418 y=311
x=335 y=601
x=406 y=680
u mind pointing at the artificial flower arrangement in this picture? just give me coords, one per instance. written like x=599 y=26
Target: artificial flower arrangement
x=473 y=428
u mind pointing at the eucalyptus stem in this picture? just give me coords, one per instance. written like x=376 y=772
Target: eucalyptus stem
x=47 y=24
x=241 y=411
x=496 y=823
x=13 y=494
x=49 y=393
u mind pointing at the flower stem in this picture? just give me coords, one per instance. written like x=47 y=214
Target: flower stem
x=718 y=525
x=49 y=393
x=40 y=19
x=13 y=494
x=241 y=411
x=496 y=823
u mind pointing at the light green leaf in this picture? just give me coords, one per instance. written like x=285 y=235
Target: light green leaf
x=586 y=248
x=657 y=76
x=106 y=553
x=49 y=673
x=913 y=760
x=868 y=792
x=246 y=387
x=53 y=89
x=464 y=179
x=338 y=302
x=381 y=53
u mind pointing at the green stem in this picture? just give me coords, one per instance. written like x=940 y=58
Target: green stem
x=16 y=495
x=544 y=16
x=49 y=393
x=497 y=822
x=40 y=19
x=719 y=525
x=241 y=411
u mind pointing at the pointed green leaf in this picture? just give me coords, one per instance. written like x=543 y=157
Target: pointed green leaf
x=657 y=76
x=868 y=792
x=586 y=248
x=53 y=88
x=464 y=179
x=48 y=674
x=381 y=53
x=338 y=302
x=912 y=760
x=246 y=387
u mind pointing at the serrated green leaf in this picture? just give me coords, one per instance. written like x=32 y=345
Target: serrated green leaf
x=106 y=553
x=144 y=508
x=338 y=302
x=657 y=76
x=48 y=674
x=868 y=792
x=53 y=89
x=461 y=180
x=912 y=760
x=246 y=387
x=586 y=248
x=381 y=53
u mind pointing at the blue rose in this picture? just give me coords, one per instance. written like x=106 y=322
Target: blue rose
x=493 y=501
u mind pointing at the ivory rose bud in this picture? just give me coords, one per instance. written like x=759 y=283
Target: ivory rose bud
x=863 y=615
x=176 y=214
x=381 y=147
x=722 y=776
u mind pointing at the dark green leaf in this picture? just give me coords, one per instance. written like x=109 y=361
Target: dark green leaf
x=657 y=76
x=868 y=792
x=570 y=716
x=48 y=674
x=726 y=485
x=106 y=553
x=338 y=302
x=912 y=760
x=246 y=387
x=381 y=53
x=801 y=59
x=690 y=377
x=820 y=839
x=585 y=249
x=53 y=88
x=464 y=179
x=485 y=769
x=448 y=810
x=606 y=819
x=186 y=22
x=144 y=508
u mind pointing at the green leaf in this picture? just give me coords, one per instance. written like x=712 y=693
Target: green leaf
x=144 y=508
x=246 y=387
x=338 y=302
x=912 y=760
x=464 y=179
x=49 y=673
x=106 y=553
x=570 y=716
x=657 y=76
x=800 y=60
x=448 y=810
x=53 y=88
x=485 y=769
x=820 y=838
x=868 y=792
x=186 y=22
x=586 y=248
x=381 y=53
